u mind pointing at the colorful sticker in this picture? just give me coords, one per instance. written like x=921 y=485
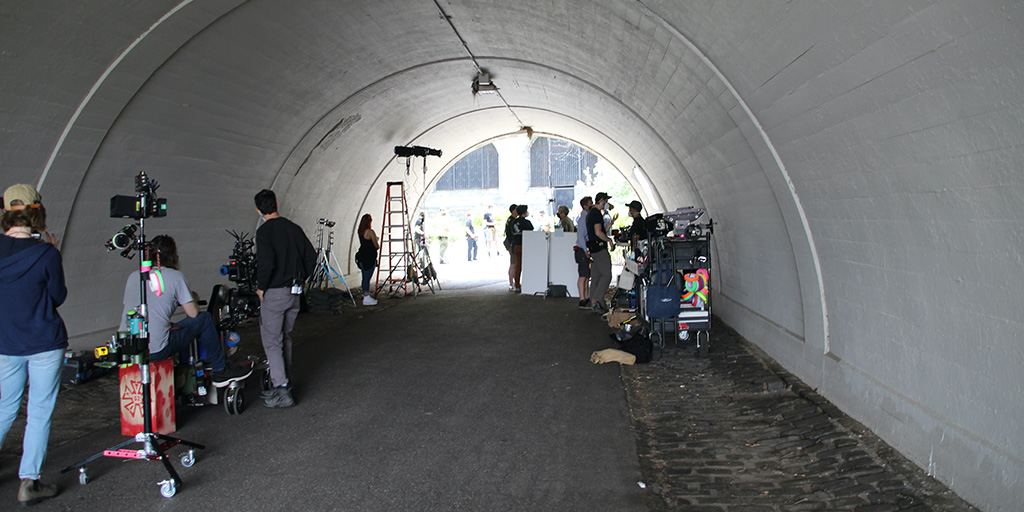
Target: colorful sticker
x=696 y=287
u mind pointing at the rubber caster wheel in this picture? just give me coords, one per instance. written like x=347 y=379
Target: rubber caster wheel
x=234 y=400
x=265 y=383
x=188 y=459
x=168 y=488
x=83 y=477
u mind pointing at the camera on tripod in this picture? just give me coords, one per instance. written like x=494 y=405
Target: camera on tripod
x=142 y=205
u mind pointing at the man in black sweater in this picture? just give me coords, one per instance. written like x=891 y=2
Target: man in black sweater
x=284 y=258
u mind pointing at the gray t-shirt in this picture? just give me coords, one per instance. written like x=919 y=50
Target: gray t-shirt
x=160 y=308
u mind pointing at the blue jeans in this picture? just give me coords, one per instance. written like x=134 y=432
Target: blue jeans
x=42 y=372
x=367 y=274
x=182 y=334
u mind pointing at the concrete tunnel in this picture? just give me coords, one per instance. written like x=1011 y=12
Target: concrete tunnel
x=862 y=160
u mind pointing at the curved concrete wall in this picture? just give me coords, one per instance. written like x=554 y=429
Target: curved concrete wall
x=862 y=160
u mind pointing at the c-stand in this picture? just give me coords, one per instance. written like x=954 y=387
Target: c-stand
x=133 y=347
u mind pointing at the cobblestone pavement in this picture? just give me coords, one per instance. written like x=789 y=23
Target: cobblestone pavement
x=735 y=432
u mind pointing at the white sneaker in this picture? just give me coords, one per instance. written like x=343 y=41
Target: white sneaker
x=369 y=301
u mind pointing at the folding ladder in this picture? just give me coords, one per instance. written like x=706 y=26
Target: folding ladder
x=395 y=265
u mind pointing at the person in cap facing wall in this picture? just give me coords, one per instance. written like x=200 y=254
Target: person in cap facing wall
x=32 y=333
x=638 y=231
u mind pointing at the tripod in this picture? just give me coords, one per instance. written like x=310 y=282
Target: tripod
x=425 y=268
x=322 y=270
x=134 y=349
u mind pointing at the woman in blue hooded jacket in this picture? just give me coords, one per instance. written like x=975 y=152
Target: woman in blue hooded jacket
x=32 y=333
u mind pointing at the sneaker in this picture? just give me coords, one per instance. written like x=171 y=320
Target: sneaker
x=369 y=301
x=519 y=290
x=34 y=491
x=596 y=307
x=511 y=288
x=279 y=397
x=267 y=393
x=231 y=373
x=585 y=304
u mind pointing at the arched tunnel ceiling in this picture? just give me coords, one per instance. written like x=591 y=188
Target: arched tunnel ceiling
x=857 y=156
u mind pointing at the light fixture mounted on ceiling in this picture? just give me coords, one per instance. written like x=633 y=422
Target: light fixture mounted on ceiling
x=483 y=85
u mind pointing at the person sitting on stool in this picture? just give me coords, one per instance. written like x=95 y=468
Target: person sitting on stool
x=165 y=338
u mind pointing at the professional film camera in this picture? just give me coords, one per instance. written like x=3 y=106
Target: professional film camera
x=142 y=205
x=232 y=306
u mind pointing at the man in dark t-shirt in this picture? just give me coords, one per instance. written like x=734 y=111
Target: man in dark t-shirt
x=599 y=245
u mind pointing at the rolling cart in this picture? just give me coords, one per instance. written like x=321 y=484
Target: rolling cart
x=687 y=261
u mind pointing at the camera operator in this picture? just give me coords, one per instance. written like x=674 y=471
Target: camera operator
x=32 y=334
x=284 y=259
x=598 y=244
x=166 y=338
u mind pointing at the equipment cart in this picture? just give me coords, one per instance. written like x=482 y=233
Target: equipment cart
x=688 y=260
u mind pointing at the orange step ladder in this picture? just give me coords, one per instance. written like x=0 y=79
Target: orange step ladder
x=396 y=268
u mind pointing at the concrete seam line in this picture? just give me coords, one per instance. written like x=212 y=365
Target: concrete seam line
x=96 y=86
x=775 y=155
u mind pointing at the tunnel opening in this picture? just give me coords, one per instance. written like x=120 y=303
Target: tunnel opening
x=471 y=198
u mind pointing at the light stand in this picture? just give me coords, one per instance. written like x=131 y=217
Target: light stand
x=134 y=349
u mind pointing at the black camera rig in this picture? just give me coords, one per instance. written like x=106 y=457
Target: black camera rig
x=143 y=205
x=232 y=306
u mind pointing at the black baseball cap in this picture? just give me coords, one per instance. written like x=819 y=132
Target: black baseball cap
x=600 y=196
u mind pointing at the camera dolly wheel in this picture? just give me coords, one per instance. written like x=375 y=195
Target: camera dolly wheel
x=234 y=399
x=265 y=383
x=188 y=459
x=83 y=477
x=168 y=488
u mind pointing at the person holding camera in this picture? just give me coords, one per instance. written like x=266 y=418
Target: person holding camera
x=284 y=259
x=164 y=294
x=32 y=333
x=366 y=256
